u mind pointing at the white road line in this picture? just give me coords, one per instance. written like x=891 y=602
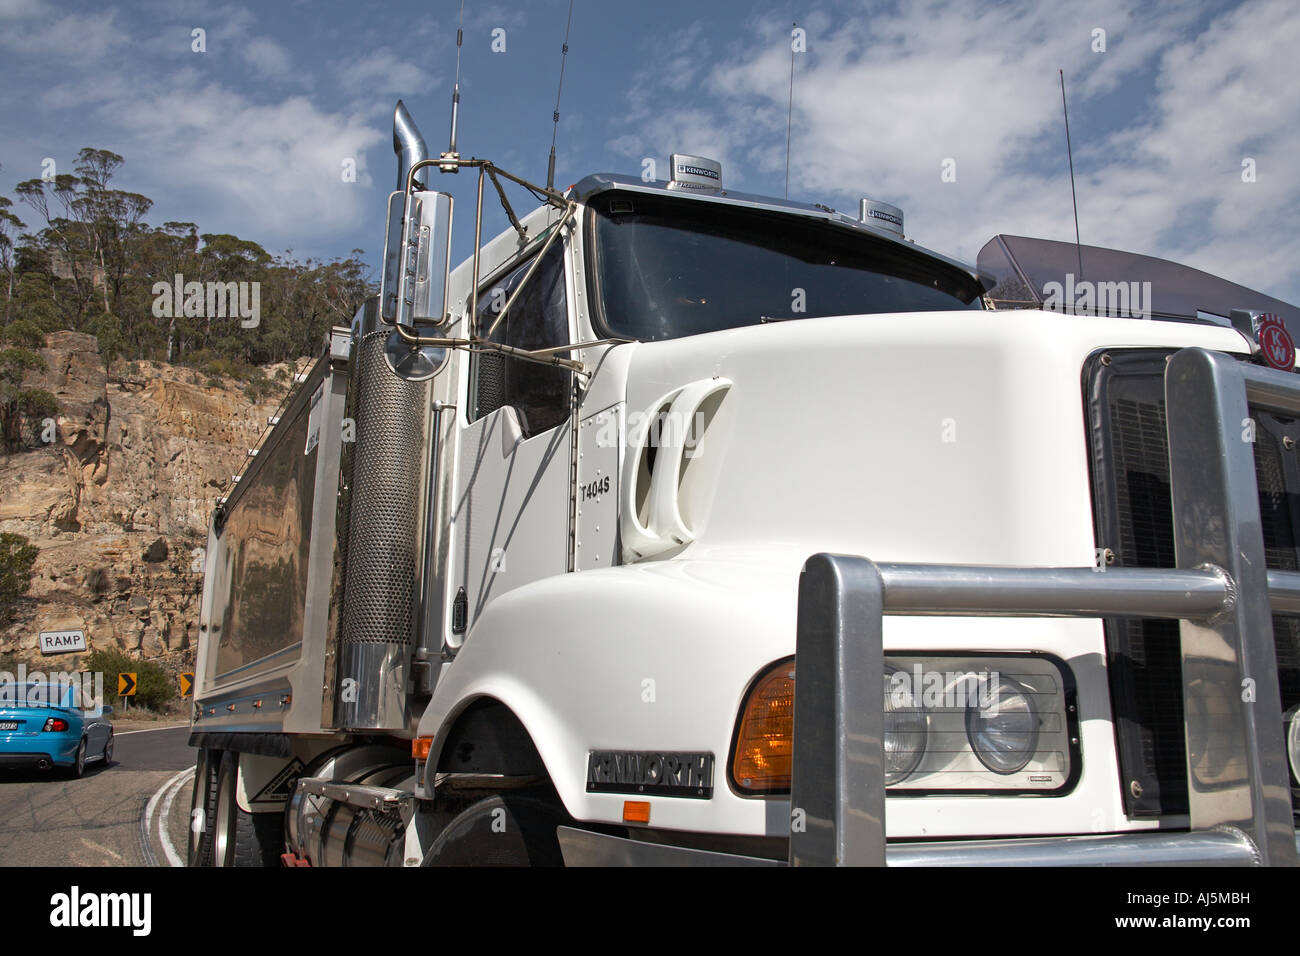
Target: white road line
x=147 y=730
x=146 y=821
x=173 y=857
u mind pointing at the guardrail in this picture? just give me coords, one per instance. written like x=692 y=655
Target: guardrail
x=1221 y=592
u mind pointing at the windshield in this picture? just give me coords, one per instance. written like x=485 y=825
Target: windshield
x=673 y=267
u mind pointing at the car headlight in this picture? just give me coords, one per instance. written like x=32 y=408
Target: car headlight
x=1003 y=730
x=906 y=727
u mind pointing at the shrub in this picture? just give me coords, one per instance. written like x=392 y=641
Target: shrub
x=14 y=363
x=23 y=333
x=18 y=404
x=260 y=388
x=97 y=581
x=36 y=303
x=107 y=330
x=34 y=406
x=17 y=555
x=153 y=687
x=230 y=368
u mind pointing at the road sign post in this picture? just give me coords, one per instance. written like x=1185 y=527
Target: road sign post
x=126 y=686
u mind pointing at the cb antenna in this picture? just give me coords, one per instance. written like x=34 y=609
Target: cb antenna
x=555 y=117
x=1078 y=248
x=451 y=154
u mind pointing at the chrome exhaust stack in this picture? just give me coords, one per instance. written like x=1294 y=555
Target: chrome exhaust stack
x=409 y=146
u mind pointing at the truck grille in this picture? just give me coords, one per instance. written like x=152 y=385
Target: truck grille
x=1124 y=391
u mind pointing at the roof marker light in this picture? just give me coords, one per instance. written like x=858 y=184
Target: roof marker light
x=695 y=173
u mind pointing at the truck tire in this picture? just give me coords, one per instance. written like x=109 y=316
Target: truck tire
x=203 y=807
x=239 y=838
x=503 y=830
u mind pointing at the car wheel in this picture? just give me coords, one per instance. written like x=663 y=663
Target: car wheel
x=239 y=838
x=79 y=765
x=108 y=750
x=504 y=830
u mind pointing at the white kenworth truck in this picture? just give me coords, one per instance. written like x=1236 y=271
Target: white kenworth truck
x=681 y=526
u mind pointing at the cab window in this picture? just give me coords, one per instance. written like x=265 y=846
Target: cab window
x=539 y=319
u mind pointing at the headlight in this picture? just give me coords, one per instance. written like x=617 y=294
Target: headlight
x=905 y=727
x=996 y=723
x=1003 y=730
x=1292 y=725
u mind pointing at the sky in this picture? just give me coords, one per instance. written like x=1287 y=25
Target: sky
x=1185 y=117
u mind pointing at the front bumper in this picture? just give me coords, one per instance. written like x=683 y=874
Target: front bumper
x=1206 y=848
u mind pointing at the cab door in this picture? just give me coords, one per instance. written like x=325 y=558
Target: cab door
x=512 y=508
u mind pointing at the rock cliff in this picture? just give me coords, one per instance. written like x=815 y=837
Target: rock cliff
x=119 y=501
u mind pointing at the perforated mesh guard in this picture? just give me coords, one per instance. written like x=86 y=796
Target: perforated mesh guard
x=379 y=586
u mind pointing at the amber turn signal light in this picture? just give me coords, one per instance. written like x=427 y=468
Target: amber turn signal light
x=765 y=738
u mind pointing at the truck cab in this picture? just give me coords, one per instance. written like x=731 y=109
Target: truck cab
x=532 y=564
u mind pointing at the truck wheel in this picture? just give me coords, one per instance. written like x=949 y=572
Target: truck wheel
x=506 y=830
x=240 y=838
x=203 y=807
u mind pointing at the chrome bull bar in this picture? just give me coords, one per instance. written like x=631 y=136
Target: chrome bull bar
x=1220 y=591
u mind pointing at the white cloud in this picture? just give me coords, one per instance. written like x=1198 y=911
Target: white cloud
x=267 y=57
x=383 y=71
x=87 y=37
x=12 y=9
x=277 y=167
x=245 y=157
x=881 y=101
x=481 y=19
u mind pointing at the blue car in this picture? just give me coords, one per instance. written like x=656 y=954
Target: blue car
x=43 y=726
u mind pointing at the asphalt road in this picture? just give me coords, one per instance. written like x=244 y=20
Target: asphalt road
x=125 y=814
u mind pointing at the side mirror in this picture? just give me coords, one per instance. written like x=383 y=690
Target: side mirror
x=417 y=258
x=108 y=710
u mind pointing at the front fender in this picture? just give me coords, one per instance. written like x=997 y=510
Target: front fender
x=647 y=657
